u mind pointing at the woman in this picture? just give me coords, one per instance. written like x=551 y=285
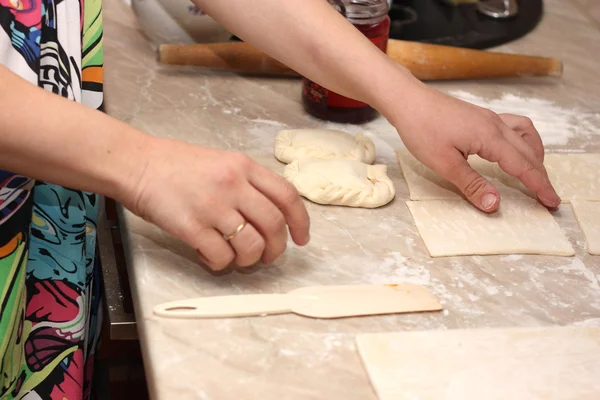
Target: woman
x=55 y=153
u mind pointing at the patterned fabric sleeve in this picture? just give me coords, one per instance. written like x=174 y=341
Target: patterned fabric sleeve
x=49 y=286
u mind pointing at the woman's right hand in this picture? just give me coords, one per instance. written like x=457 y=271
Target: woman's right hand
x=201 y=195
x=442 y=132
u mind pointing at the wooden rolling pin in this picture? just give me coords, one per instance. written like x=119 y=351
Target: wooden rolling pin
x=425 y=61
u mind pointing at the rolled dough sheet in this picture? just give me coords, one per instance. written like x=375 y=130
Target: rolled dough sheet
x=588 y=218
x=551 y=363
x=574 y=176
x=424 y=184
x=520 y=226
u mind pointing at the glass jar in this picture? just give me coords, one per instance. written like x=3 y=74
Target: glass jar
x=371 y=18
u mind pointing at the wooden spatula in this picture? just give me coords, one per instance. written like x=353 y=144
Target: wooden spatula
x=316 y=302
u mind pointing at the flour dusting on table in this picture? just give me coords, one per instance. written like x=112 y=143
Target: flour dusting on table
x=587 y=322
x=394 y=269
x=555 y=124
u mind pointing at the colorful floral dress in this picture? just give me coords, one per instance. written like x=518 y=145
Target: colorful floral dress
x=49 y=286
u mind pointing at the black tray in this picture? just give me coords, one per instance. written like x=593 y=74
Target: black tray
x=431 y=21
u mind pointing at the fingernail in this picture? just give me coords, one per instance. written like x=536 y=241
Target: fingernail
x=488 y=201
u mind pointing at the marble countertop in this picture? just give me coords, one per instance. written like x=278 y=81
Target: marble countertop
x=292 y=357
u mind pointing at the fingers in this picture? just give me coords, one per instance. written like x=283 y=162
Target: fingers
x=213 y=250
x=268 y=220
x=257 y=232
x=519 y=143
x=475 y=187
x=242 y=236
x=286 y=198
x=523 y=157
x=532 y=174
x=524 y=128
x=237 y=239
x=253 y=226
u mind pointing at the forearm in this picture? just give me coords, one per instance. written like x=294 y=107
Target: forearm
x=315 y=40
x=46 y=137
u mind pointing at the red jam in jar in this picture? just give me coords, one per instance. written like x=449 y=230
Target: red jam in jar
x=371 y=18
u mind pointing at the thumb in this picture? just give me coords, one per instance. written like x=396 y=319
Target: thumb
x=475 y=187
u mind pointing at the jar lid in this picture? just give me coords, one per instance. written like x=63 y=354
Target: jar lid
x=362 y=11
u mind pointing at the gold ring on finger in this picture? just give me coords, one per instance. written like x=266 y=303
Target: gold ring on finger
x=236 y=232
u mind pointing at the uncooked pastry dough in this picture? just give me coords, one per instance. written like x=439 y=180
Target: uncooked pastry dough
x=520 y=226
x=548 y=363
x=574 y=176
x=297 y=144
x=341 y=182
x=424 y=184
x=588 y=217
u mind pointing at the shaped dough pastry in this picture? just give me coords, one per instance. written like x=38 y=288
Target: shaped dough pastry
x=341 y=182
x=297 y=144
x=424 y=184
x=520 y=226
x=587 y=214
x=574 y=176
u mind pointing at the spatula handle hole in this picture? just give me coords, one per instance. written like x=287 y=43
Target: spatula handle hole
x=180 y=308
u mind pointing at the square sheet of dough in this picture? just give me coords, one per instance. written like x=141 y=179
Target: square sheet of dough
x=549 y=363
x=588 y=217
x=424 y=184
x=574 y=176
x=520 y=226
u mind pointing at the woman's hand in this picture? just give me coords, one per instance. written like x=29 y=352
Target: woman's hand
x=196 y=194
x=207 y=194
x=442 y=132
